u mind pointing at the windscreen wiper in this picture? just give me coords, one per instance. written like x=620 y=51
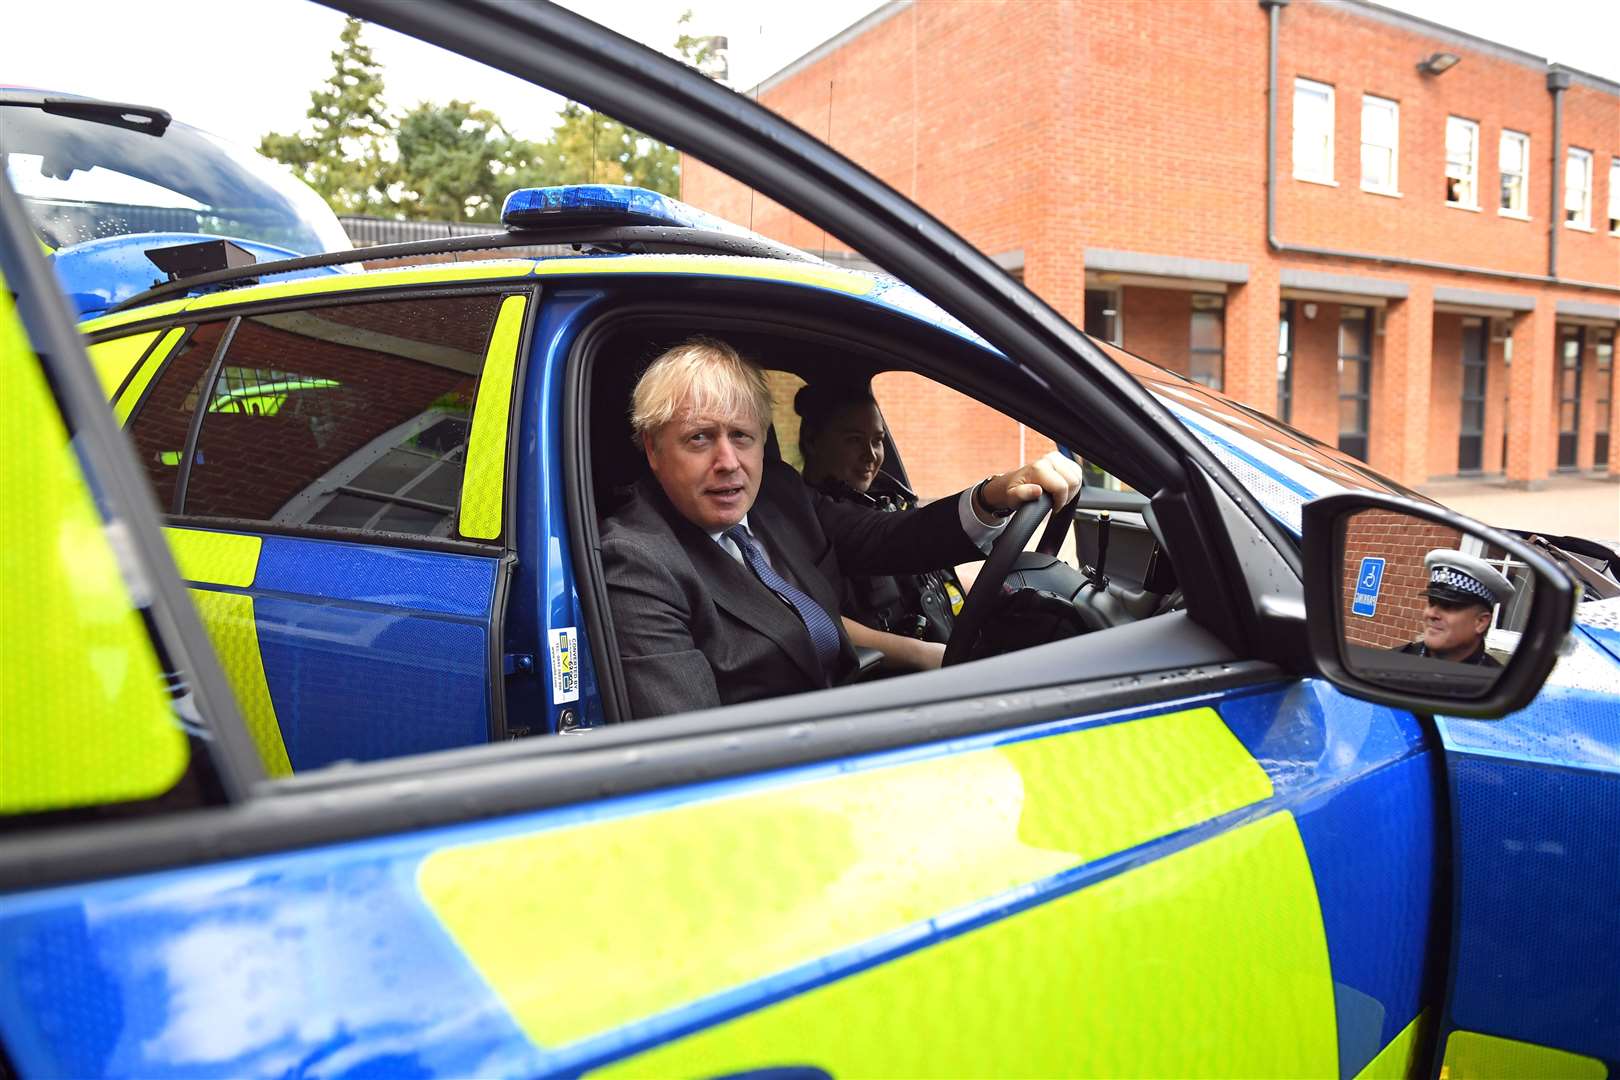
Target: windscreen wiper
x=141 y=118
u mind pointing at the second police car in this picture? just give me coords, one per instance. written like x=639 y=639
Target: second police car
x=1164 y=847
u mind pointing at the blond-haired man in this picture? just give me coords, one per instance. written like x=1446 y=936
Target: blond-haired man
x=724 y=570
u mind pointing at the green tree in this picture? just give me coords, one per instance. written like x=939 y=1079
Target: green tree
x=588 y=147
x=343 y=153
x=456 y=162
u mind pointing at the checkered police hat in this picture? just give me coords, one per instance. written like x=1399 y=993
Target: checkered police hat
x=1457 y=578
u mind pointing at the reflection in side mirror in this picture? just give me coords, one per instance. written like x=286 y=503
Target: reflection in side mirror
x=1425 y=606
x=1415 y=606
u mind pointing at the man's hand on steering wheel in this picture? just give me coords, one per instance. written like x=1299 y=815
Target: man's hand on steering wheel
x=1054 y=474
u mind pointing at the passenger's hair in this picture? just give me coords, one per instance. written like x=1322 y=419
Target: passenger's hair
x=818 y=402
x=704 y=375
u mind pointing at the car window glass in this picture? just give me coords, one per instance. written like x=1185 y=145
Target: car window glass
x=160 y=423
x=351 y=416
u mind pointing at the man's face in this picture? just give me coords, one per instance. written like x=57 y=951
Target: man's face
x=709 y=466
x=850 y=448
x=1454 y=631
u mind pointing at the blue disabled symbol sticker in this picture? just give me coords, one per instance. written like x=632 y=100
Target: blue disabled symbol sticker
x=1369 y=579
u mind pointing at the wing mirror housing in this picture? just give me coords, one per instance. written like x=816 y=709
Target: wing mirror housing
x=1412 y=605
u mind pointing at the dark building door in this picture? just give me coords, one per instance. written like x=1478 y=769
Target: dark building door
x=1604 y=347
x=1471 y=437
x=1355 y=379
x=1571 y=340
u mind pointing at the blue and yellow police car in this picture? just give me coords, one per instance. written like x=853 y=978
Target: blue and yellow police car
x=318 y=759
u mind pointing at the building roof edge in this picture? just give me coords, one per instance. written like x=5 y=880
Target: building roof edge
x=1391 y=17
x=882 y=15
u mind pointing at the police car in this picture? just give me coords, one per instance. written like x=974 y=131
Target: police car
x=1226 y=830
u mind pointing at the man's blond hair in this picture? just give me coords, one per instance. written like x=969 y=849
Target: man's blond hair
x=703 y=376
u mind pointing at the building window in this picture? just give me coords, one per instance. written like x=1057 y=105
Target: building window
x=1313 y=131
x=1462 y=163
x=1355 y=379
x=1102 y=315
x=1614 y=196
x=1380 y=144
x=1578 y=188
x=1206 y=351
x=1285 y=363
x=1604 y=347
x=1515 y=165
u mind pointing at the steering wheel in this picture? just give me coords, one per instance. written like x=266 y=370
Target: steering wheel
x=987 y=586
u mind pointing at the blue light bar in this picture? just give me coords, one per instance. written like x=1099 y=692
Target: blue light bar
x=605 y=204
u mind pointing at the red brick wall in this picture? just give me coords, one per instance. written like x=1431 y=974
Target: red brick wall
x=1445 y=395
x=1141 y=127
x=1158 y=325
x=949 y=440
x=1316 y=372
x=1401 y=542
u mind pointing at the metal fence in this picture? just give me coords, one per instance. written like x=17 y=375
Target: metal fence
x=372 y=231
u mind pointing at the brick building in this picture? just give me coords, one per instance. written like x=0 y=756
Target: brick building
x=1430 y=278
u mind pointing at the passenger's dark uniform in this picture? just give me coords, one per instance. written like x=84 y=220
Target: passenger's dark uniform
x=1479 y=656
x=912 y=605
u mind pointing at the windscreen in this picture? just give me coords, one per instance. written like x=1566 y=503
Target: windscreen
x=82 y=180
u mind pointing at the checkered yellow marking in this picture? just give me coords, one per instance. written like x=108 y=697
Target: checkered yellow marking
x=216 y=558
x=483 y=485
x=113 y=359
x=756 y=883
x=229 y=620
x=134 y=315
x=1399 y=1059
x=85 y=716
x=1473 y=1056
x=143 y=378
x=1140 y=975
x=823 y=277
x=439 y=273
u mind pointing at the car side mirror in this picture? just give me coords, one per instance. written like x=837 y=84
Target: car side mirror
x=1412 y=605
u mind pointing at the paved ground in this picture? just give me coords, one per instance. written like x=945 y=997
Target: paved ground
x=1567 y=506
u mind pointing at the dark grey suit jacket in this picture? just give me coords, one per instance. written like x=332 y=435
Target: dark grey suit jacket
x=695 y=628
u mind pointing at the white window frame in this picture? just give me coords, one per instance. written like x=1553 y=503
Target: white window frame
x=1523 y=141
x=1393 y=184
x=1614 y=196
x=1583 y=221
x=1470 y=168
x=1317 y=171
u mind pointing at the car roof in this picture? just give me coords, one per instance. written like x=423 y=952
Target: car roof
x=1281 y=467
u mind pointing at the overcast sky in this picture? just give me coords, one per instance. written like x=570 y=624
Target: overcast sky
x=166 y=52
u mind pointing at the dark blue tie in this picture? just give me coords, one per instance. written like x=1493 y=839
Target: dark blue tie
x=823 y=631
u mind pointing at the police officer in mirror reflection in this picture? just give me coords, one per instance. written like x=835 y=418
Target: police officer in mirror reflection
x=908 y=617
x=1462 y=591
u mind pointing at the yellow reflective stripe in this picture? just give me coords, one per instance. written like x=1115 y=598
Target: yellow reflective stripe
x=215 y=558
x=143 y=378
x=124 y=318
x=1399 y=1059
x=755 y=883
x=1209 y=962
x=229 y=620
x=1470 y=1055
x=451 y=273
x=825 y=277
x=483 y=485
x=85 y=717
x=113 y=359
